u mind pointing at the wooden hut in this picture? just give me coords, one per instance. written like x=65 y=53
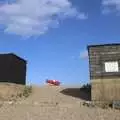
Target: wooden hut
x=104 y=67
x=12 y=69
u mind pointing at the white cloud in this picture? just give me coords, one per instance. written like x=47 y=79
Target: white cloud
x=82 y=16
x=84 y=54
x=110 y=6
x=35 y=17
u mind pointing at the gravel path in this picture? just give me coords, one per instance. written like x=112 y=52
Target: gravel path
x=47 y=103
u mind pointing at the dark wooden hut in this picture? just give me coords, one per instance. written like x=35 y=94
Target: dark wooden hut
x=12 y=69
x=104 y=67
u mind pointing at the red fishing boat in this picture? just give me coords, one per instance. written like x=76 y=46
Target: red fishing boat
x=53 y=82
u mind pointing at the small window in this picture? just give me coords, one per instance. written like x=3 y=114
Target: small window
x=111 y=66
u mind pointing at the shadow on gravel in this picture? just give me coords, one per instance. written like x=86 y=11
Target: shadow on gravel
x=82 y=93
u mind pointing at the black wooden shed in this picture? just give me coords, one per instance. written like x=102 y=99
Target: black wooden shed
x=12 y=69
x=104 y=66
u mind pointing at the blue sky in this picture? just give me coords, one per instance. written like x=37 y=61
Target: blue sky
x=52 y=35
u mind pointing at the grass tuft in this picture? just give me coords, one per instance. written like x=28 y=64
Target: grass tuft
x=27 y=91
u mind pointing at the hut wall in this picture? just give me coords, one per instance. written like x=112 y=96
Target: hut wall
x=12 y=69
x=105 y=85
x=18 y=71
x=4 y=68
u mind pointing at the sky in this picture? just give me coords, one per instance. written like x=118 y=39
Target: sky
x=52 y=35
